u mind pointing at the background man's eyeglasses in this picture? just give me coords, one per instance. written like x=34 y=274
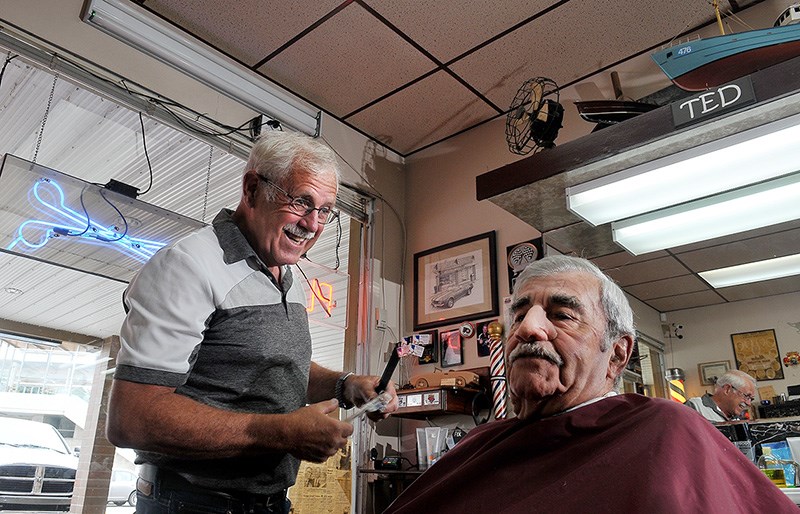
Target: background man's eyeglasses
x=303 y=207
x=748 y=397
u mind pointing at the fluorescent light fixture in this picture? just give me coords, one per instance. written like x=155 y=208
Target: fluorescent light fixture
x=760 y=205
x=728 y=163
x=140 y=29
x=753 y=271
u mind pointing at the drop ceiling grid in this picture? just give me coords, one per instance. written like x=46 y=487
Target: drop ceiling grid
x=448 y=29
x=686 y=301
x=347 y=62
x=667 y=287
x=563 y=44
x=647 y=271
x=423 y=113
x=246 y=29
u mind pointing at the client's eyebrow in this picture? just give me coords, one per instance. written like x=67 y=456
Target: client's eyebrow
x=571 y=302
x=520 y=303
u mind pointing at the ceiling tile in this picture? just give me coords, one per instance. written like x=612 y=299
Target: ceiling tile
x=759 y=289
x=686 y=301
x=422 y=113
x=616 y=260
x=563 y=44
x=248 y=30
x=347 y=62
x=768 y=246
x=448 y=29
x=669 y=287
x=647 y=271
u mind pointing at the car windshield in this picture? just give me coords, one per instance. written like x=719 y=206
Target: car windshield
x=31 y=435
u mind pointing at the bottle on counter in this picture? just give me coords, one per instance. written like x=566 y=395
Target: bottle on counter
x=772 y=467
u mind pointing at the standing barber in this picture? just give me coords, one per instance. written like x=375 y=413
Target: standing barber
x=214 y=372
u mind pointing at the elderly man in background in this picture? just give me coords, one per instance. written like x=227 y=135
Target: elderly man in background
x=734 y=391
x=577 y=446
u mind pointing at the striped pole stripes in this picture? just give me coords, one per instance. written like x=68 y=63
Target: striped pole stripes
x=677 y=393
x=498 y=370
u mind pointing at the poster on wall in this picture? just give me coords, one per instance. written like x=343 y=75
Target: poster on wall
x=757 y=354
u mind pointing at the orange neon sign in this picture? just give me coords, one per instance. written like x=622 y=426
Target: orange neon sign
x=321 y=292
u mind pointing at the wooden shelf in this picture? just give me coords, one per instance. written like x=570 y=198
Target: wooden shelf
x=432 y=401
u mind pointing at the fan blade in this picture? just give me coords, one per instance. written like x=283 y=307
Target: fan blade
x=537 y=91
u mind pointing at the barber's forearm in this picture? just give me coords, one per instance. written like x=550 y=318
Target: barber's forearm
x=321 y=383
x=154 y=418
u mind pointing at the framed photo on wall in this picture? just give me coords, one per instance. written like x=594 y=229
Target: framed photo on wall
x=757 y=354
x=455 y=282
x=711 y=371
x=450 y=348
x=430 y=341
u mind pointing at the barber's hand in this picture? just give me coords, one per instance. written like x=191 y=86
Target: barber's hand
x=318 y=436
x=360 y=389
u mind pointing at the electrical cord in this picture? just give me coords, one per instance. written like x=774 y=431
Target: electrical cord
x=146 y=155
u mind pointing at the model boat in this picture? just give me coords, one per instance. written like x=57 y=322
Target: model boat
x=609 y=112
x=705 y=63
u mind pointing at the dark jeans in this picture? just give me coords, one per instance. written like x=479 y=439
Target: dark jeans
x=173 y=499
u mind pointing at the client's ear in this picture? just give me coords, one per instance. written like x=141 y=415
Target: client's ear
x=621 y=351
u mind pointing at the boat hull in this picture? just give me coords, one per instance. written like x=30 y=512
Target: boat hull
x=610 y=112
x=706 y=63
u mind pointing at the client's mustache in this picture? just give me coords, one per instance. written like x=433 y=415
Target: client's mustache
x=534 y=350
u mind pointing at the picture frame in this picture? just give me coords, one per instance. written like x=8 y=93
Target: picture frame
x=451 y=348
x=431 y=353
x=456 y=282
x=711 y=371
x=757 y=354
x=482 y=339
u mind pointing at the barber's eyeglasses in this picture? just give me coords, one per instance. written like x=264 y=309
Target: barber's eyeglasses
x=302 y=207
x=748 y=397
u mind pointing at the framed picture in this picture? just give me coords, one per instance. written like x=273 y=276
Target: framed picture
x=430 y=341
x=757 y=354
x=450 y=348
x=455 y=282
x=482 y=338
x=711 y=371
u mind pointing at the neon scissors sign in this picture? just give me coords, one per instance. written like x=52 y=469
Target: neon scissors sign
x=48 y=198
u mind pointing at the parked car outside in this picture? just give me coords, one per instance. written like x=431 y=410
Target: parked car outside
x=123 y=488
x=37 y=468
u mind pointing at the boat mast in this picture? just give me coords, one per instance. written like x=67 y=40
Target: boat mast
x=715 y=3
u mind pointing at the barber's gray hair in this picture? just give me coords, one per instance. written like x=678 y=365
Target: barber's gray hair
x=619 y=316
x=278 y=154
x=736 y=378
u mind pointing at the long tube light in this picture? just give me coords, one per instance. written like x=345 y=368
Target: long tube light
x=147 y=33
x=760 y=205
x=748 y=157
x=753 y=271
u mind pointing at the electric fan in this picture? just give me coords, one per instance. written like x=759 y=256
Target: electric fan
x=535 y=116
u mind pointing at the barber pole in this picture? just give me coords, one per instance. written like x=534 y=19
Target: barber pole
x=677 y=393
x=498 y=370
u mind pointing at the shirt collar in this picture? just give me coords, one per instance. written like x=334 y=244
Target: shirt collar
x=235 y=246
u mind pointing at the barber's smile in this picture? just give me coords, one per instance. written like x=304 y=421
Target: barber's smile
x=297 y=234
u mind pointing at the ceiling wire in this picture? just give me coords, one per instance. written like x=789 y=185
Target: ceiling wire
x=208 y=181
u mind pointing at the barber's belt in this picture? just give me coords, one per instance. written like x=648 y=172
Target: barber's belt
x=167 y=480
